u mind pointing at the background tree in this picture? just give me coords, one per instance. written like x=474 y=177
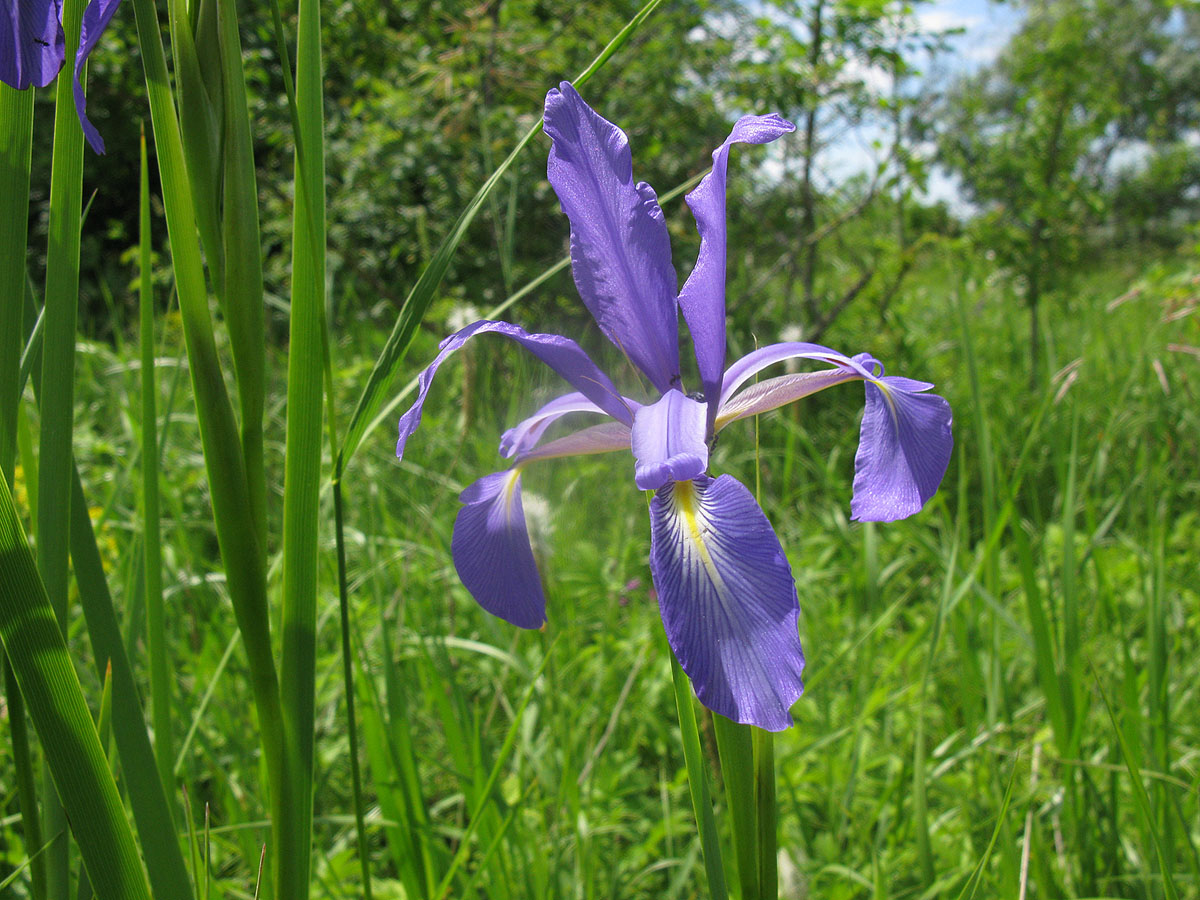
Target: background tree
x=1037 y=136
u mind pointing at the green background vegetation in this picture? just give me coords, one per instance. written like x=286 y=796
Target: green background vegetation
x=1001 y=691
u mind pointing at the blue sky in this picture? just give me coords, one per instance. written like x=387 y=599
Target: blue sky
x=987 y=27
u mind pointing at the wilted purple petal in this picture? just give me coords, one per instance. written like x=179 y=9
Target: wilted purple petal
x=903 y=449
x=95 y=19
x=755 y=361
x=620 y=252
x=668 y=441
x=526 y=433
x=776 y=392
x=728 y=600
x=32 y=44
x=491 y=551
x=560 y=353
x=703 y=296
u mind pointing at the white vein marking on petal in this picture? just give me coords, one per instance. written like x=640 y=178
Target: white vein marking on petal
x=685 y=503
x=510 y=492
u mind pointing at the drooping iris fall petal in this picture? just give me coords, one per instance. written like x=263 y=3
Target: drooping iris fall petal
x=491 y=551
x=903 y=449
x=728 y=600
x=95 y=19
x=560 y=353
x=32 y=44
x=620 y=251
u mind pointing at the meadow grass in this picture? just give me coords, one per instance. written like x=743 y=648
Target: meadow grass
x=1000 y=691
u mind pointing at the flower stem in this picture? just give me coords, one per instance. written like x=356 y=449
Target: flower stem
x=764 y=799
x=698 y=782
x=735 y=746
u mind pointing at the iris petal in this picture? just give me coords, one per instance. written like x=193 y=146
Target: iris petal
x=754 y=362
x=668 y=441
x=776 y=392
x=903 y=449
x=491 y=551
x=32 y=44
x=602 y=438
x=95 y=19
x=560 y=353
x=525 y=434
x=728 y=600
x=620 y=252
x=703 y=296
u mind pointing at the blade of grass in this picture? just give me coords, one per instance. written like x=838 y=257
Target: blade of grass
x=1139 y=792
x=972 y=884
x=74 y=756
x=485 y=792
x=920 y=802
x=160 y=681
x=422 y=293
x=302 y=469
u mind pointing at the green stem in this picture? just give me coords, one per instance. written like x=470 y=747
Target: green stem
x=764 y=800
x=348 y=678
x=735 y=746
x=160 y=680
x=693 y=756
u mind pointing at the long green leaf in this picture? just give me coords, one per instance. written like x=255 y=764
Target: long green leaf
x=16 y=142
x=245 y=567
x=422 y=293
x=242 y=290
x=58 y=368
x=47 y=679
x=302 y=475
x=160 y=681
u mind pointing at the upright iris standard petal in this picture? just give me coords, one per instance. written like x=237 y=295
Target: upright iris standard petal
x=491 y=551
x=32 y=44
x=728 y=600
x=560 y=353
x=668 y=441
x=620 y=252
x=703 y=296
x=903 y=449
x=95 y=19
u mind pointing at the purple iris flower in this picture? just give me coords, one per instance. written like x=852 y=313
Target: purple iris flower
x=725 y=590
x=33 y=48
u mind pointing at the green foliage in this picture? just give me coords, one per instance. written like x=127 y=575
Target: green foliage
x=1036 y=137
x=999 y=695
